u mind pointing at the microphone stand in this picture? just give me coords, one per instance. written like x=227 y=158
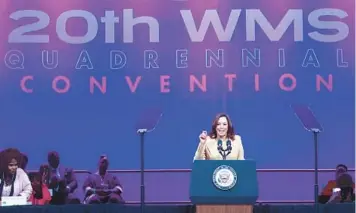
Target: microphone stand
x=142 y=132
x=316 y=176
x=223 y=151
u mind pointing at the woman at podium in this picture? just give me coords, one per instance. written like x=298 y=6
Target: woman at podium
x=221 y=143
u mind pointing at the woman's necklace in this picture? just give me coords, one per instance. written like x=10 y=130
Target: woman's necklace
x=8 y=180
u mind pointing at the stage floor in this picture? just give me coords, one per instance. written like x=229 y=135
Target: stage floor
x=106 y=208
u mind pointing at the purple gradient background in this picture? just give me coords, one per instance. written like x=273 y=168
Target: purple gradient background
x=81 y=126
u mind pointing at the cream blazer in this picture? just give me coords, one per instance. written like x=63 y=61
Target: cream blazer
x=209 y=151
x=22 y=184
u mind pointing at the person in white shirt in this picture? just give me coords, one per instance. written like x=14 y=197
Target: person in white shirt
x=13 y=180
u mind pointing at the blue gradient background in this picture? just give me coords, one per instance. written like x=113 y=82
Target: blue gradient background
x=81 y=125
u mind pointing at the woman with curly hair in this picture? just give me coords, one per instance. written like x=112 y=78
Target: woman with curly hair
x=13 y=180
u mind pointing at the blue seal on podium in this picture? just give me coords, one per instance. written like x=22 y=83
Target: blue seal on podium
x=224 y=177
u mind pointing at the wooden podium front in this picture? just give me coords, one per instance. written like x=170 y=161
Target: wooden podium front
x=224 y=209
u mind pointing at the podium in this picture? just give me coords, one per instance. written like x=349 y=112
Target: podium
x=224 y=186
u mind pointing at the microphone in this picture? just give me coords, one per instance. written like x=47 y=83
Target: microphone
x=220 y=149
x=228 y=148
x=219 y=144
x=228 y=144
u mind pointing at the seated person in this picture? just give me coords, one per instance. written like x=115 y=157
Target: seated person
x=44 y=172
x=329 y=190
x=344 y=192
x=102 y=187
x=40 y=195
x=13 y=180
x=62 y=182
